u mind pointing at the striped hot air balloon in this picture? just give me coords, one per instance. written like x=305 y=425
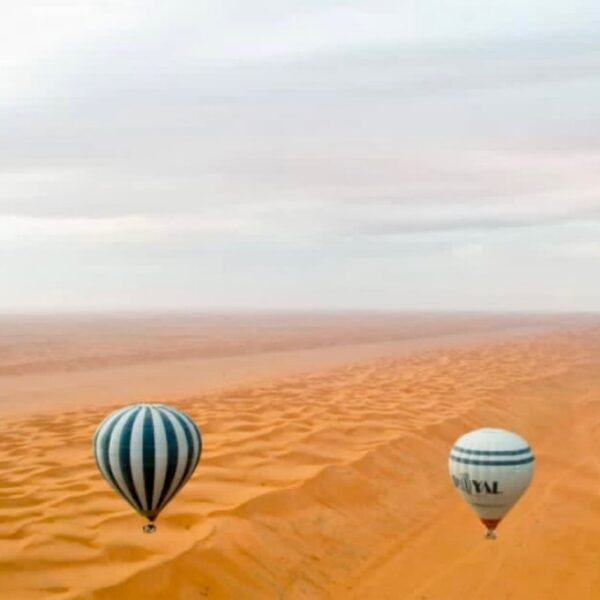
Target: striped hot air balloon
x=147 y=452
x=491 y=468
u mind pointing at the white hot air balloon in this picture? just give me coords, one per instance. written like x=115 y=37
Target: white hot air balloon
x=491 y=468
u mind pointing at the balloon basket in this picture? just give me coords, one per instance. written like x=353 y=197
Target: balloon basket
x=149 y=528
x=490 y=534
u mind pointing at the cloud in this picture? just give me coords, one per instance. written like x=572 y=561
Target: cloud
x=576 y=250
x=134 y=229
x=379 y=127
x=313 y=131
x=465 y=218
x=469 y=251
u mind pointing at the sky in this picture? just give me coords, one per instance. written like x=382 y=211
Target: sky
x=431 y=155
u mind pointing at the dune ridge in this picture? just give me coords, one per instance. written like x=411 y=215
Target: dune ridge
x=326 y=485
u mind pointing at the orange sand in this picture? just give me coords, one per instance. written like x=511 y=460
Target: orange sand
x=330 y=482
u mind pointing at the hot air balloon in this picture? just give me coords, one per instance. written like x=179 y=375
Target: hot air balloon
x=147 y=452
x=491 y=468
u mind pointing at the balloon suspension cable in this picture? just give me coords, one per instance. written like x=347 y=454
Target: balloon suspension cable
x=149 y=528
x=490 y=534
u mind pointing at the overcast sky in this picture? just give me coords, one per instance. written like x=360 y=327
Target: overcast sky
x=436 y=154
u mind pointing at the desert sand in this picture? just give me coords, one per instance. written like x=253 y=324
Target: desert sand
x=324 y=473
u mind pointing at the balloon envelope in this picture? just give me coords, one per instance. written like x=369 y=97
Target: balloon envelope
x=147 y=452
x=491 y=468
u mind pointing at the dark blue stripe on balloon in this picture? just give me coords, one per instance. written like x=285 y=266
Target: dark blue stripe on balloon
x=172 y=457
x=189 y=468
x=489 y=463
x=199 y=434
x=491 y=452
x=125 y=459
x=148 y=455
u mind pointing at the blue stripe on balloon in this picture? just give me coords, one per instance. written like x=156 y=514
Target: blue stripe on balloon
x=148 y=458
x=172 y=457
x=189 y=468
x=489 y=463
x=491 y=452
x=199 y=435
x=125 y=458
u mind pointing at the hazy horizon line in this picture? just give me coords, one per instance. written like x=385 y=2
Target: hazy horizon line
x=325 y=310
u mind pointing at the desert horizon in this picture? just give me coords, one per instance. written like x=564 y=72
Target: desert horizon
x=155 y=354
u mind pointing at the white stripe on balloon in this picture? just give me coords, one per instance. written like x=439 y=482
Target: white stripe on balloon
x=182 y=454
x=136 y=454
x=114 y=448
x=160 y=456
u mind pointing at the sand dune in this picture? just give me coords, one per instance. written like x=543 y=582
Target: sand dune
x=328 y=484
x=53 y=344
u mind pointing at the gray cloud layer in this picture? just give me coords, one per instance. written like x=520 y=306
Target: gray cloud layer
x=297 y=123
